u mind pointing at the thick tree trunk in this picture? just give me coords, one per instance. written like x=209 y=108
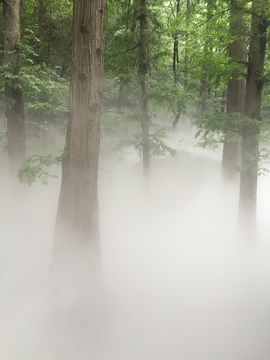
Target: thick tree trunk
x=77 y=223
x=231 y=156
x=143 y=66
x=250 y=144
x=14 y=95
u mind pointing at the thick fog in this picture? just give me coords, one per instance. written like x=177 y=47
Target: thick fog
x=179 y=280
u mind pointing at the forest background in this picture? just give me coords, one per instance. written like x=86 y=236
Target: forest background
x=174 y=283
x=205 y=64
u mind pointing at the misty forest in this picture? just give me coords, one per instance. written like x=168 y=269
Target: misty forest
x=135 y=186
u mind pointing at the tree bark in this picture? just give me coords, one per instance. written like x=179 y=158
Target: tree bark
x=205 y=86
x=175 y=64
x=77 y=223
x=231 y=156
x=50 y=39
x=186 y=50
x=175 y=47
x=177 y=117
x=175 y=58
x=13 y=93
x=143 y=68
x=250 y=143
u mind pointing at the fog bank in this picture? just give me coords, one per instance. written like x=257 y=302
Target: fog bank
x=178 y=284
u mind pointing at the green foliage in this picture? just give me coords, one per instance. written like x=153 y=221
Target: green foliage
x=157 y=147
x=33 y=168
x=44 y=90
x=202 y=35
x=165 y=93
x=260 y=158
x=211 y=128
x=51 y=22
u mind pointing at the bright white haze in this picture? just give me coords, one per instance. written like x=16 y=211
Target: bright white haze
x=179 y=283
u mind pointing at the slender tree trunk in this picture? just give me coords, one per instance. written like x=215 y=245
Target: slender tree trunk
x=177 y=117
x=121 y=96
x=175 y=47
x=175 y=64
x=205 y=86
x=132 y=29
x=250 y=144
x=186 y=50
x=77 y=223
x=50 y=39
x=223 y=101
x=143 y=67
x=14 y=95
x=231 y=156
x=175 y=58
x=134 y=17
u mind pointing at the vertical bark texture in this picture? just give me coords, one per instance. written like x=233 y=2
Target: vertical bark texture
x=14 y=96
x=77 y=223
x=250 y=144
x=143 y=67
x=231 y=156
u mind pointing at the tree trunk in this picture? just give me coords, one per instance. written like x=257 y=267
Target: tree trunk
x=205 y=86
x=177 y=117
x=175 y=70
x=132 y=29
x=77 y=223
x=231 y=156
x=50 y=39
x=175 y=48
x=14 y=95
x=143 y=67
x=250 y=144
x=186 y=50
x=175 y=58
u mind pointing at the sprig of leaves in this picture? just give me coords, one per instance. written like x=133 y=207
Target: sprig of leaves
x=157 y=147
x=34 y=168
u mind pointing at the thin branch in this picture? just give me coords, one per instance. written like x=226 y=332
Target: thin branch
x=135 y=47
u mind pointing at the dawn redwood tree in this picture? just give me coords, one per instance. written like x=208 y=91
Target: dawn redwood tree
x=77 y=223
x=253 y=98
x=186 y=50
x=176 y=60
x=175 y=47
x=231 y=156
x=205 y=84
x=13 y=92
x=143 y=69
x=175 y=66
